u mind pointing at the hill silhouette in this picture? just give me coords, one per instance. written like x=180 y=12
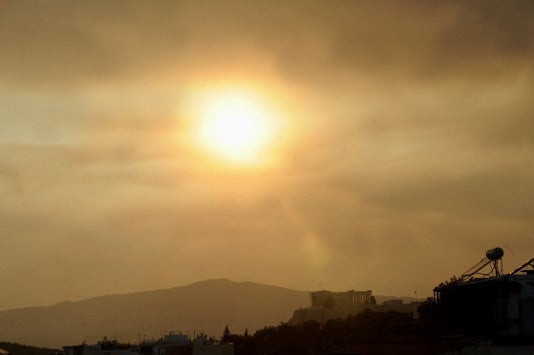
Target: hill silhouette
x=205 y=306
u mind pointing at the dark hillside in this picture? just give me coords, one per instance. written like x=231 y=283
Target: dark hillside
x=203 y=306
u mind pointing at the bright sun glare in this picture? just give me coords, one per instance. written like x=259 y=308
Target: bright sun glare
x=236 y=126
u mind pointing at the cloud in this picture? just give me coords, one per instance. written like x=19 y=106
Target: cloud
x=81 y=42
x=411 y=130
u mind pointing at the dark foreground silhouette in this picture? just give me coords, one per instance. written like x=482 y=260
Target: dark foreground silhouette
x=19 y=349
x=368 y=332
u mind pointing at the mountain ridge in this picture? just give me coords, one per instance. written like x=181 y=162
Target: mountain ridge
x=203 y=306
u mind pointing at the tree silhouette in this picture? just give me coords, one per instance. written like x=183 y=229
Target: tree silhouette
x=226 y=334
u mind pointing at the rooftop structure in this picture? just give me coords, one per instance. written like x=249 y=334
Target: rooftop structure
x=489 y=303
x=171 y=344
x=103 y=347
x=179 y=344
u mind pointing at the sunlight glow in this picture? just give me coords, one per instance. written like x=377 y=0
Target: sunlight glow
x=235 y=125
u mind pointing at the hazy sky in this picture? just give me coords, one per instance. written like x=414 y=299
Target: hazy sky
x=404 y=147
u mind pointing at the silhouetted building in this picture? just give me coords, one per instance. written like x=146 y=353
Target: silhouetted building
x=330 y=299
x=393 y=303
x=327 y=304
x=399 y=306
x=302 y=315
x=178 y=344
x=104 y=347
x=496 y=306
x=500 y=306
x=171 y=344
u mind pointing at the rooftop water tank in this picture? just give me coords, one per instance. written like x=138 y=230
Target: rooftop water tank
x=495 y=253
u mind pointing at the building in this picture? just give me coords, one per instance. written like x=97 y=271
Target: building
x=307 y=314
x=392 y=303
x=398 y=305
x=496 y=306
x=171 y=344
x=501 y=305
x=179 y=344
x=202 y=346
x=327 y=305
x=103 y=347
x=350 y=298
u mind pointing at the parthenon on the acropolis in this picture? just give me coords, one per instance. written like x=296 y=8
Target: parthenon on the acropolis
x=328 y=304
x=330 y=299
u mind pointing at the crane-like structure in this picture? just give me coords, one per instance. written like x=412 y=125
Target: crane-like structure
x=493 y=259
x=523 y=267
x=486 y=301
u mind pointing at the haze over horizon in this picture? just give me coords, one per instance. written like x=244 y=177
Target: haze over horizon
x=309 y=145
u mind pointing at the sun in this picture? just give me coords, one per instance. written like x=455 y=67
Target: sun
x=235 y=125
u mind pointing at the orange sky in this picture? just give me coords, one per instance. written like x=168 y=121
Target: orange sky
x=403 y=146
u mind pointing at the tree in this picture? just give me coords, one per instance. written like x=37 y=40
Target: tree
x=226 y=334
x=429 y=314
